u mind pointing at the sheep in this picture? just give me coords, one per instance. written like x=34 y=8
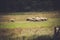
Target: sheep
x=12 y=20
x=43 y=19
x=37 y=19
x=30 y=19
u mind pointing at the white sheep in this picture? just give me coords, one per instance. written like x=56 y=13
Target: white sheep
x=12 y=20
x=29 y=19
x=37 y=19
x=43 y=19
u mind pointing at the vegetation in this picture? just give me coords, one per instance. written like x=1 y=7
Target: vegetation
x=51 y=22
x=26 y=30
x=28 y=5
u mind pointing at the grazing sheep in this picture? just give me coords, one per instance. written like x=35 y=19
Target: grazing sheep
x=30 y=19
x=37 y=19
x=43 y=19
x=12 y=20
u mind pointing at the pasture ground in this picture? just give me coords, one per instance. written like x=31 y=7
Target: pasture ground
x=26 y=30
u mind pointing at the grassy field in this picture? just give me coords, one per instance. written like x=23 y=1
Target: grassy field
x=26 y=29
x=20 y=20
x=24 y=24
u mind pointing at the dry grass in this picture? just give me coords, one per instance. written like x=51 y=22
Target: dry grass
x=28 y=14
x=31 y=33
x=23 y=30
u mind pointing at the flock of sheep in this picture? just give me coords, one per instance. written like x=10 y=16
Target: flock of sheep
x=32 y=19
x=36 y=19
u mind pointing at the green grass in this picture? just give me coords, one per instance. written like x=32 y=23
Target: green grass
x=43 y=27
x=24 y=24
x=20 y=19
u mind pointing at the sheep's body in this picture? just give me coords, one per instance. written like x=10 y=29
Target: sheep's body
x=30 y=19
x=12 y=20
x=43 y=19
x=37 y=19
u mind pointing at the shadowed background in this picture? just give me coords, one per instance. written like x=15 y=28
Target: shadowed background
x=29 y=5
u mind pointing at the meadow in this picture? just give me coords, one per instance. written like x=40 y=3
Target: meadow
x=27 y=30
x=20 y=19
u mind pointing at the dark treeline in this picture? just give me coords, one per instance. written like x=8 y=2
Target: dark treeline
x=28 y=5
